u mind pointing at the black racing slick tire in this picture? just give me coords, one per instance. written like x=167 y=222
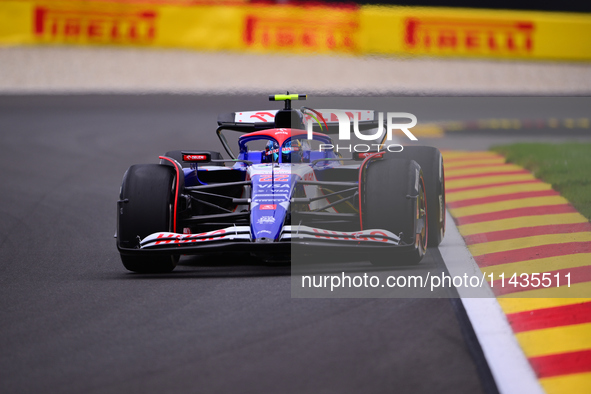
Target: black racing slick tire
x=178 y=156
x=395 y=201
x=146 y=206
x=431 y=162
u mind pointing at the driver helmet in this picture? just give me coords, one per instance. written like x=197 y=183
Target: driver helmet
x=271 y=152
x=291 y=152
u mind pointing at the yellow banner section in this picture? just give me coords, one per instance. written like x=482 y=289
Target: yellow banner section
x=475 y=33
x=237 y=26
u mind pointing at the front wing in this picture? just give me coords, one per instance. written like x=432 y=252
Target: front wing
x=238 y=239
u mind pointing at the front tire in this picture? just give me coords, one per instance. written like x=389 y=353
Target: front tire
x=146 y=207
x=431 y=162
x=395 y=201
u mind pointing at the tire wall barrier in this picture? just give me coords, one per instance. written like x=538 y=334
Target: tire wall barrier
x=324 y=29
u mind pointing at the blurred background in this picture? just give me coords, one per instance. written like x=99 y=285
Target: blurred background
x=237 y=46
x=90 y=87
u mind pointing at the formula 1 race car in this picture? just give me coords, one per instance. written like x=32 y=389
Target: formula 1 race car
x=287 y=186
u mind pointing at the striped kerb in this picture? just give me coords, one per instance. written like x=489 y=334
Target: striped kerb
x=515 y=223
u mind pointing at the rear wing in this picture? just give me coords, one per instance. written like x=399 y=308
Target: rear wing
x=248 y=121
x=323 y=120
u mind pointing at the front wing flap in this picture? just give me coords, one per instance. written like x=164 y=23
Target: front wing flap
x=290 y=234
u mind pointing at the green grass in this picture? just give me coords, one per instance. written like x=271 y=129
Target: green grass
x=567 y=167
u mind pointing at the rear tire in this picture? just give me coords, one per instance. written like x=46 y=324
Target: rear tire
x=148 y=195
x=431 y=162
x=395 y=201
x=178 y=156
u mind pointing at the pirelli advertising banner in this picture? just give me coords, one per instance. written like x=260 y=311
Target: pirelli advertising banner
x=237 y=26
x=475 y=33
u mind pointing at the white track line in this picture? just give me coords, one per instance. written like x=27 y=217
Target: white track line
x=509 y=366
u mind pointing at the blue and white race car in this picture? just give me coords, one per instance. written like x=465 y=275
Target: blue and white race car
x=280 y=190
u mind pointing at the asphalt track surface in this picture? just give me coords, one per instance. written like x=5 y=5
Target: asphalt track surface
x=73 y=320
